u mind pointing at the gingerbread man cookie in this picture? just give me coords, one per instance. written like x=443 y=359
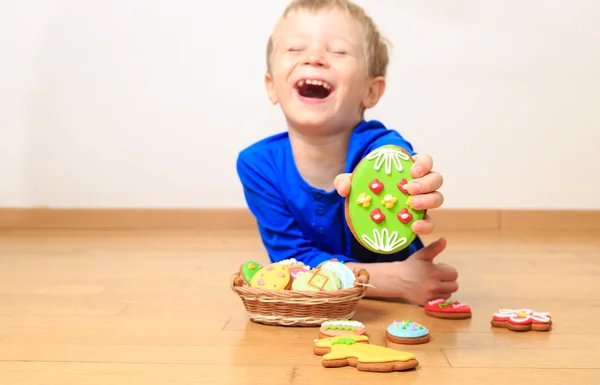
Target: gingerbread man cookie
x=367 y=357
x=378 y=210
x=274 y=276
x=448 y=309
x=522 y=320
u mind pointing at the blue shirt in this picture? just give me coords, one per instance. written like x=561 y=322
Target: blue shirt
x=296 y=220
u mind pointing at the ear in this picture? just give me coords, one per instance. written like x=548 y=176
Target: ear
x=374 y=92
x=270 y=87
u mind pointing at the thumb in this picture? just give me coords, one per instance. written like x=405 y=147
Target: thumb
x=429 y=252
x=342 y=184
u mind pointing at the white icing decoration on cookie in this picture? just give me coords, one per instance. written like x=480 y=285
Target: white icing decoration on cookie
x=513 y=315
x=290 y=262
x=436 y=301
x=355 y=324
x=387 y=156
x=384 y=241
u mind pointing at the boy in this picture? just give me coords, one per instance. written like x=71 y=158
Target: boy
x=326 y=64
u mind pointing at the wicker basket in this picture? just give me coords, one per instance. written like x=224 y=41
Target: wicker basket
x=300 y=308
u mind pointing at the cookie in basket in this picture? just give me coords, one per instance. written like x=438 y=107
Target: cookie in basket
x=407 y=332
x=295 y=267
x=248 y=269
x=367 y=357
x=343 y=272
x=317 y=280
x=378 y=210
x=323 y=345
x=273 y=276
x=340 y=327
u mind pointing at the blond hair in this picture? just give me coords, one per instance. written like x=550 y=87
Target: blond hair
x=377 y=55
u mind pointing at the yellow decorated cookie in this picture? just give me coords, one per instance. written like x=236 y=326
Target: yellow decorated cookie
x=274 y=276
x=317 y=280
x=344 y=350
x=323 y=345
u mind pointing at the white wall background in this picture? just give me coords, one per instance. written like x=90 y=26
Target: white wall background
x=136 y=102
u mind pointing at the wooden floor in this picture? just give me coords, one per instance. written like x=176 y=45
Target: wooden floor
x=156 y=308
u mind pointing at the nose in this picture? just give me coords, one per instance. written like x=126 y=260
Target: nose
x=315 y=57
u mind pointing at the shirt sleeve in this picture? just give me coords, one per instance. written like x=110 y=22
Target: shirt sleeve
x=280 y=233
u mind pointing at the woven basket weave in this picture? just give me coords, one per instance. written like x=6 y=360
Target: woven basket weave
x=300 y=308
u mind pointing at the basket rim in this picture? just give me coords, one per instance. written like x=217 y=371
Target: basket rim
x=241 y=287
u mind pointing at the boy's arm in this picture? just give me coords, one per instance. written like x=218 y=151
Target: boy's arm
x=280 y=233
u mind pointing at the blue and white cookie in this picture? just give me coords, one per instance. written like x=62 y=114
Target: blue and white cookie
x=344 y=273
x=407 y=332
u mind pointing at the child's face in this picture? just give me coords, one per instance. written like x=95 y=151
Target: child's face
x=319 y=71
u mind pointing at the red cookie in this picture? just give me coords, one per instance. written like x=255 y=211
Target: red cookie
x=448 y=309
x=522 y=320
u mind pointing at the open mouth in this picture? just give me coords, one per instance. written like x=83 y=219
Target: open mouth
x=314 y=89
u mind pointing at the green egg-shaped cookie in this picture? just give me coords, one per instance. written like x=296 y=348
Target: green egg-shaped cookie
x=378 y=208
x=250 y=268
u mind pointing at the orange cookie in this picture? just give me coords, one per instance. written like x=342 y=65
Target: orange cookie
x=274 y=276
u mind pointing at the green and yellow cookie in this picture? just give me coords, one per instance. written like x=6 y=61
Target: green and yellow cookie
x=248 y=270
x=317 y=280
x=378 y=208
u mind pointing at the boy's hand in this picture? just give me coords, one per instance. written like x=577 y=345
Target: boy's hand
x=417 y=279
x=422 y=280
x=423 y=188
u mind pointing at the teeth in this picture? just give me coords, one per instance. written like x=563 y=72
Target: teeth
x=314 y=82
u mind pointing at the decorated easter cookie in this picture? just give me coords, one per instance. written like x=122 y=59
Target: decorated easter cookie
x=407 y=332
x=323 y=345
x=340 y=327
x=343 y=272
x=378 y=208
x=274 y=276
x=448 y=309
x=248 y=270
x=317 y=280
x=522 y=320
x=367 y=357
x=295 y=267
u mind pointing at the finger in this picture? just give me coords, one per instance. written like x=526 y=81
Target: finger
x=426 y=184
x=424 y=226
x=446 y=272
x=422 y=166
x=429 y=252
x=431 y=200
x=342 y=184
x=447 y=288
x=437 y=295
